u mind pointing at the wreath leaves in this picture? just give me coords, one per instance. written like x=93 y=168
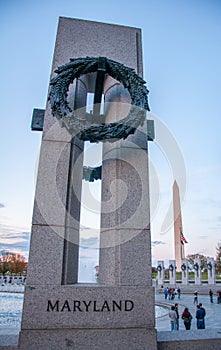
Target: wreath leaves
x=87 y=131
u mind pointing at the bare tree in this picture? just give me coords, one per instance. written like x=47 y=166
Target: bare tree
x=202 y=258
x=17 y=264
x=218 y=258
x=4 y=262
x=13 y=263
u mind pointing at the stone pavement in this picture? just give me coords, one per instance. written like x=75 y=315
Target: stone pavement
x=213 y=311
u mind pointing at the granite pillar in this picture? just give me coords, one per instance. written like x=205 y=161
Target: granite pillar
x=160 y=272
x=172 y=271
x=185 y=272
x=197 y=271
x=118 y=313
x=211 y=270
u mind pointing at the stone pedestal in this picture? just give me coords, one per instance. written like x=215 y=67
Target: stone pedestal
x=211 y=271
x=118 y=313
x=160 y=272
x=197 y=271
x=172 y=271
x=185 y=272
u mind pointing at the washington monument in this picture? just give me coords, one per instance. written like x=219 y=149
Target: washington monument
x=179 y=238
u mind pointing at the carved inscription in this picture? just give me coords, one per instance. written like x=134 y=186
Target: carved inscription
x=89 y=306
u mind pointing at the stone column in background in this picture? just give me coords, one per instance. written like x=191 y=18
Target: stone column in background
x=160 y=272
x=197 y=271
x=185 y=272
x=211 y=271
x=172 y=272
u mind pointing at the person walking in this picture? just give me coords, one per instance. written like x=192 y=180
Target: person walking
x=173 y=318
x=195 y=300
x=211 y=295
x=218 y=296
x=170 y=293
x=204 y=314
x=199 y=317
x=179 y=292
x=166 y=293
x=187 y=318
x=177 y=315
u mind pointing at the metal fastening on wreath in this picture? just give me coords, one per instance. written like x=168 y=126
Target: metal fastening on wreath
x=84 y=127
x=183 y=267
x=196 y=266
x=171 y=268
x=209 y=266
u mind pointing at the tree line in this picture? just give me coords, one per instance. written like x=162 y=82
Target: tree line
x=203 y=259
x=12 y=263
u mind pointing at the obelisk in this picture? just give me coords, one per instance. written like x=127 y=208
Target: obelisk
x=178 y=227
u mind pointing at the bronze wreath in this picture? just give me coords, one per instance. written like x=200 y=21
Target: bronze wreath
x=171 y=268
x=183 y=267
x=196 y=266
x=159 y=268
x=209 y=266
x=83 y=127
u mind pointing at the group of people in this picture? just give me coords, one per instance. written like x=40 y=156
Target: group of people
x=170 y=293
x=187 y=317
x=218 y=296
x=210 y=296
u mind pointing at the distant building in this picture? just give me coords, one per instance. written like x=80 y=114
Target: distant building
x=179 y=239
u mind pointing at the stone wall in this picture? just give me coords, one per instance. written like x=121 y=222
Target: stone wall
x=182 y=340
x=193 y=339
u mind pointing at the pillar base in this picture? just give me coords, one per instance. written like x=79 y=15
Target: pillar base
x=79 y=316
x=98 y=339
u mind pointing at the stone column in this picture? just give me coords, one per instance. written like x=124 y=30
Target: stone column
x=197 y=271
x=160 y=272
x=211 y=271
x=118 y=313
x=125 y=254
x=185 y=272
x=125 y=220
x=172 y=272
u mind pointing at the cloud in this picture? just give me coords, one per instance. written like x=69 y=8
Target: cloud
x=202 y=252
x=5 y=252
x=84 y=228
x=154 y=243
x=214 y=203
x=2 y=205
x=204 y=202
x=90 y=242
x=216 y=227
x=88 y=258
x=15 y=242
x=7 y=228
x=15 y=236
x=203 y=237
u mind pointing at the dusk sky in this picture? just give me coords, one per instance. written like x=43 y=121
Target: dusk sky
x=182 y=68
